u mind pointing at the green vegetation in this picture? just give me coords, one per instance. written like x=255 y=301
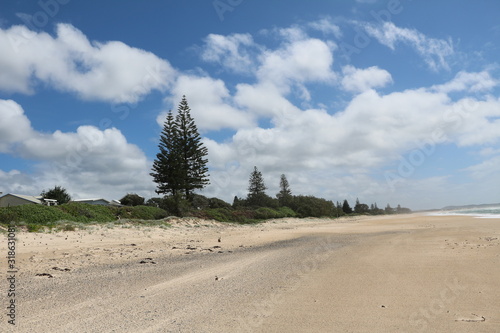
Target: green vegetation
x=180 y=167
x=57 y=193
x=132 y=199
x=33 y=214
x=37 y=217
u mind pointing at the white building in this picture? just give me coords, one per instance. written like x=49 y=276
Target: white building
x=99 y=201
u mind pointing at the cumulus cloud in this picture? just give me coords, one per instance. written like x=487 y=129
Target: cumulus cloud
x=90 y=160
x=470 y=82
x=434 y=51
x=110 y=71
x=209 y=100
x=235 y=52
x=14 y=127
x=298 y=62
x=289 y=67
x=359 y=80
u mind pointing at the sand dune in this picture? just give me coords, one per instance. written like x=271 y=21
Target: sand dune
x=405 y=273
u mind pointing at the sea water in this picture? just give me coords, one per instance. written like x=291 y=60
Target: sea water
x=480 y=212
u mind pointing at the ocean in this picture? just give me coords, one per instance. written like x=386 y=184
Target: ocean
x=486 y=212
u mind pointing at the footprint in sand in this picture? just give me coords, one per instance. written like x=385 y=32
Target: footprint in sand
x=45 y=274
x=473 y=318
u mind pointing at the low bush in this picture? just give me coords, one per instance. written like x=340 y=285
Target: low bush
x=32 y=214
x=309 y=206
x=286 y=212
x=265 y=213
x=143 y=213
x=220 y=214
x=218 y=203
x=84 y=212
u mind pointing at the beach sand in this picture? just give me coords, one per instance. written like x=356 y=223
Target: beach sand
x=401 y=273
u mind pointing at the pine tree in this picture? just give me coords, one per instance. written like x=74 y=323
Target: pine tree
x=192 y=151
x=285 y=194
x=256 y=188
x=346 y=208
x=339 y=207
x=166 y=168
x=180 y=166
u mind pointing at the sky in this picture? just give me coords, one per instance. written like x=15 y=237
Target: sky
x=389 y=101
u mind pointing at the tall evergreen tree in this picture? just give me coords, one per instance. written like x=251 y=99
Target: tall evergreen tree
x=192 y=151
x=285 y=194
x=180 y=166
x=256 y=188
x=346 y=208
x=166 y=167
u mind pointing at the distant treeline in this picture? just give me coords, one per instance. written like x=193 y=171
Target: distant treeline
x=258 y=205
x=248 y=211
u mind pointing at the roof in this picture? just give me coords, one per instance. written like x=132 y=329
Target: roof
x=29 y=198
x=109 y=202
x=91 y=199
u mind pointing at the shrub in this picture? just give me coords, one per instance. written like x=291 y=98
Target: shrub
x=265 y=213
x=199 y=201
x=309 y=206
x=220 y=214
x=147 y=213
x=132 y=199
x=261 y=200
x=176 y=206
x=84 y=212
x=218 y=203
x=286 y=212
x=32 y=214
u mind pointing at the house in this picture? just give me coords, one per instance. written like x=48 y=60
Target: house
x=99 y=201
x=11 y=199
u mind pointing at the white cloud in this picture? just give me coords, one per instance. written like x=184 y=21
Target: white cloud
x=359 y=80
x=470 y=82
x=327 y=27
x=234 y=52
x=14 y=127
x=434 y=51
x=264 y=100
x=489 y=151
x=111 y=71
x=302 y=61
x=88 y=162
x=209 y=100
x=487 y=169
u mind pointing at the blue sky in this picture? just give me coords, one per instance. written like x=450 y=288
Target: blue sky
x=390 y=101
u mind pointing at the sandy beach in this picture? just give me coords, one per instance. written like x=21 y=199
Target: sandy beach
x=401 y=273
